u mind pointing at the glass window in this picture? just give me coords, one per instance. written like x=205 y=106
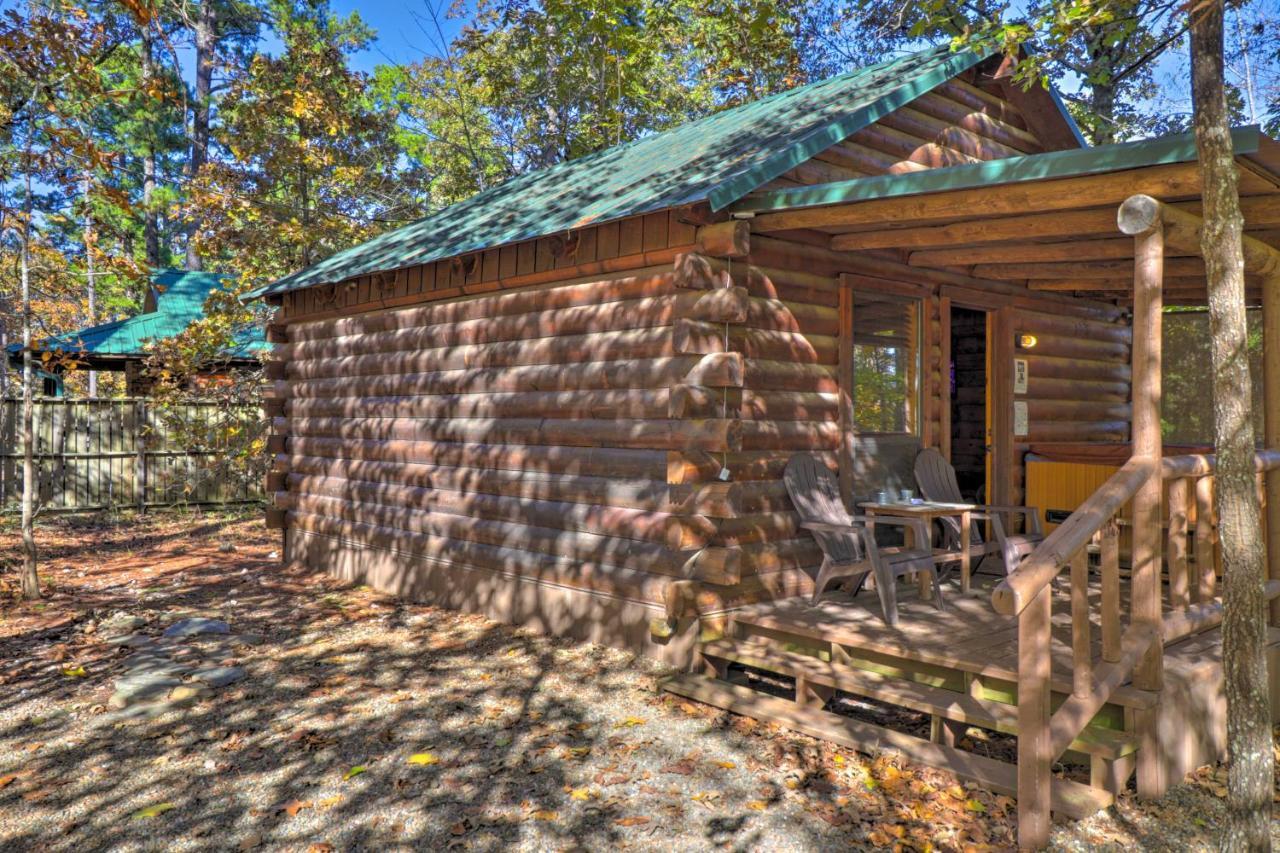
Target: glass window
x=886 y=363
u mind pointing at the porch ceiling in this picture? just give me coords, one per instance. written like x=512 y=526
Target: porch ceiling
x=1041 y=229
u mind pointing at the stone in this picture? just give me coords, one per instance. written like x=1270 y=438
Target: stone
x=197 y=625
x=188 y=692
x=219 y=676
x=143 y=687
x=119 y=623
x=132 y=641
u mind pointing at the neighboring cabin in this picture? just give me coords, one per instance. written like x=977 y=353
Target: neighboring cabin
x=173 y=300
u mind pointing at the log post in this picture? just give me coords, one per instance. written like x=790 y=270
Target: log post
x=1034 y=758
x=844 y=376
x=1271 y=433
x=1145 y=604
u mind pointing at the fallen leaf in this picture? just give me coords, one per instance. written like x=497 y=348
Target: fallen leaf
x=726 y=765
x=74 y=671
x=329 y=802
x=543 y=814
x=458 y=828
x=354 y=772
x=292 y=807
x=757 y=805
x=637 y=820
x=424 y=758
x=7 y=779
x=320 y=847
x=630 y=722
x=153 y=811
x=251 y=841
x=580 y=794
x=975 y=806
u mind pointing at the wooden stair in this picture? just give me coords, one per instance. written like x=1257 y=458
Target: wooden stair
x=1067 y=797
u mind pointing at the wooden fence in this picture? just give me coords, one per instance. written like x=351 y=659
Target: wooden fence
x=105 y=454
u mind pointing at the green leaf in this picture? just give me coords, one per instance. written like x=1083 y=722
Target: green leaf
x=152 y=811
x=353 y=772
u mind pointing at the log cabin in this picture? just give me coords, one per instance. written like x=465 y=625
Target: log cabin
x=566 y=403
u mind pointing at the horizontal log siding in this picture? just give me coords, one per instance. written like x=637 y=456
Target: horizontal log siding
x=1078 y=383
x=533 y=432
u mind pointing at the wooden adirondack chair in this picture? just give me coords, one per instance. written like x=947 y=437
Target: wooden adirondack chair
x=937 y=482
x=849 y=548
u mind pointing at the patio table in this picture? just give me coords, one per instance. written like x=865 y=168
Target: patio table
x=929 y=511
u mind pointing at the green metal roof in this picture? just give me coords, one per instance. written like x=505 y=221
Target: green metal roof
x=179 y=298
x=719 y=159
x=1180 y=148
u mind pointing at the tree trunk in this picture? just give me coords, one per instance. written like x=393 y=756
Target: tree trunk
x=30 y=577
x=1249 y=743
x=89 y=268
x=150 y=230
x=206 y=30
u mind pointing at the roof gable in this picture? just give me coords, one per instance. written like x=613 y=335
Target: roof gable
x=718 y=158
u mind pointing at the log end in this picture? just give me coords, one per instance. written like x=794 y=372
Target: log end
x=1138 y=214
x=1004 y=600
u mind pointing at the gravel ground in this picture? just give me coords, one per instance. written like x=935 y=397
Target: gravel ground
x=365 y=723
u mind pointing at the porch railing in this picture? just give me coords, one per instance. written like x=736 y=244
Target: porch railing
x=1126 y=644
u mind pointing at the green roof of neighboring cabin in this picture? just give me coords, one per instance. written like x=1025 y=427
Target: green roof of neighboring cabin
x=719 y=158
x=178 y=297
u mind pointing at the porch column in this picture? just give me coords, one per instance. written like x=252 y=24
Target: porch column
x=1145 y=599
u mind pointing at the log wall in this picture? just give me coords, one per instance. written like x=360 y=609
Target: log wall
x=583 y=430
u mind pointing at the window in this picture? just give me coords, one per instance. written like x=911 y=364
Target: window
x=886 y=363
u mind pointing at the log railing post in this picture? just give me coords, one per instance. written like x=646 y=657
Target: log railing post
x=1136 y=219
x=1271 y=429
x=1206 y=559
x=1081 y=630
x=1109 y=566
x=1179 y=579
x=844 y=379
x=1034 y=758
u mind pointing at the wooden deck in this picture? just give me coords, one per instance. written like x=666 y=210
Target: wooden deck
x=960 y=667
x=968 y=635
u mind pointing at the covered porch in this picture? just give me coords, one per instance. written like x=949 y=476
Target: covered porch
x=1102 y=647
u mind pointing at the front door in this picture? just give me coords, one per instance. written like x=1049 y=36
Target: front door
x=970 y=406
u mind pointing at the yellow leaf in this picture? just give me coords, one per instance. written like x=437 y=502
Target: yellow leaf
x=974 y=806
x=580 y=794
x=630 y=722
x=757 y=805
x=329 y=802
x=153 y=811
x=353 y=772
x=424 y=758
x=727 y=765
x=74 y=671
x=543 y=814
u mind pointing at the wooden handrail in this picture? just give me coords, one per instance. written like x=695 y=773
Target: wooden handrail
x=1205 y=464
x=1039 y=569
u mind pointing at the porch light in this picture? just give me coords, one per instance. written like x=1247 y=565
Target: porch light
x=1025 y=341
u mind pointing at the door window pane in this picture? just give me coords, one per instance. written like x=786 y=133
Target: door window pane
x=886 y=363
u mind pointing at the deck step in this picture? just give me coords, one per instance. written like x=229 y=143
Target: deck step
x=1067 y=798
x=939 y=701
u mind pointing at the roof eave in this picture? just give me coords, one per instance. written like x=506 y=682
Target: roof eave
x=1032 y=167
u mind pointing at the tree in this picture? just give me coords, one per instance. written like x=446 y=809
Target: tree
x=312 y=163
x=1250 y=781
x=49 y=62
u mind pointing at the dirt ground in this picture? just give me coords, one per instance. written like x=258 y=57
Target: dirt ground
x=369 y=723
